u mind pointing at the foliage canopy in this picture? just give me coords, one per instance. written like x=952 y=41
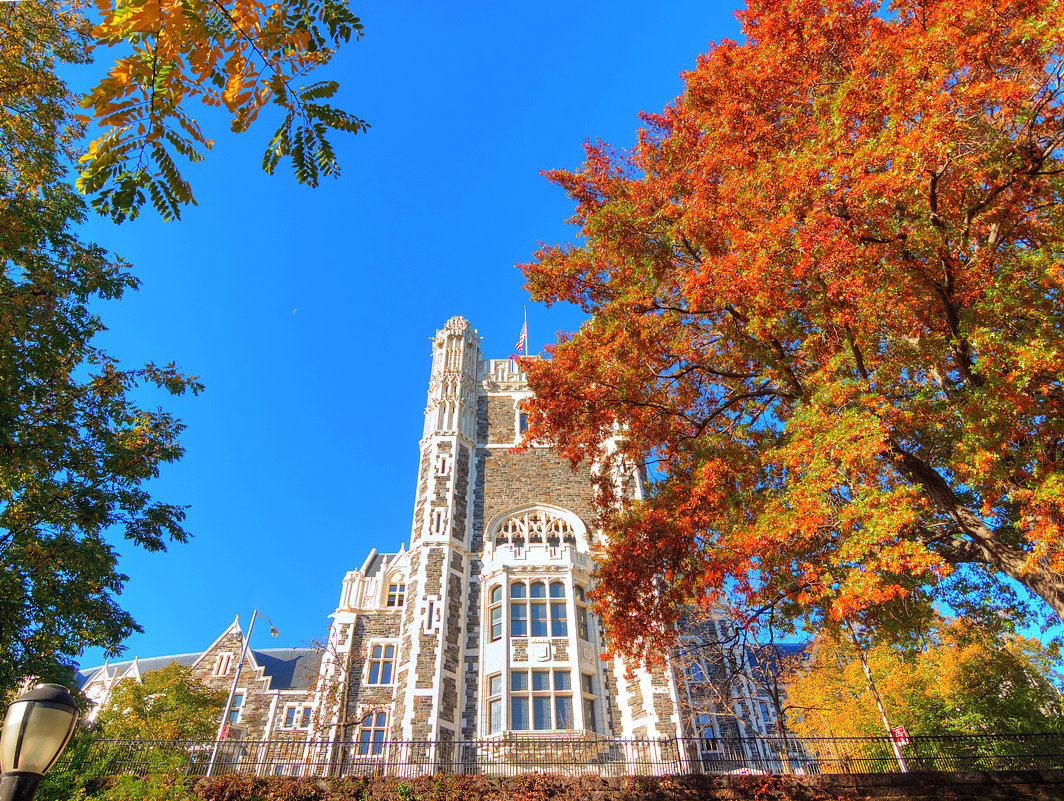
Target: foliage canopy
x=167 y=704
x=237 y=55
x=76 y=448
x=826 y=301
x=962 y=681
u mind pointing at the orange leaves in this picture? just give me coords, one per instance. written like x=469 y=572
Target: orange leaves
x=825 y=298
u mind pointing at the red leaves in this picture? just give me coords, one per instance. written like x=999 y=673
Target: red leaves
x=826 y=306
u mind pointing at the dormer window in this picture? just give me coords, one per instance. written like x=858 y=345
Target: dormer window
x=396 y=594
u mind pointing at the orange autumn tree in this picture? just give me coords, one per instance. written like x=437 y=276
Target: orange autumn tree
x=826 y=309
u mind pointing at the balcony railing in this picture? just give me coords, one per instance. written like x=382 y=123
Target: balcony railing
x=583 y=756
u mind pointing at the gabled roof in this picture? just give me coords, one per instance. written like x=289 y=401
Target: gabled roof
x=379 y=561
x=145 y=666
x=376 y=562
x=287 y=668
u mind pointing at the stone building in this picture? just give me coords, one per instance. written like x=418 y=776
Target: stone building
x=275 y=696
x=481 y=627
x=477 y=628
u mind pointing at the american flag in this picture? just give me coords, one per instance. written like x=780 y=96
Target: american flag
x=523 y=339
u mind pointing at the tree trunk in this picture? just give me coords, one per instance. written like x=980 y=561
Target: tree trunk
x=979 y=545
x=875 y=695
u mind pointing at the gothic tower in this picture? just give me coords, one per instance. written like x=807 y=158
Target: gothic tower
x=430 y=651
x=482 y=628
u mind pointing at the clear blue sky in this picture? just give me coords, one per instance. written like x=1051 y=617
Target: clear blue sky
x=307 y=313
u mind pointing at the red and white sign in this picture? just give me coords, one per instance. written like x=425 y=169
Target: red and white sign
x=899 y=735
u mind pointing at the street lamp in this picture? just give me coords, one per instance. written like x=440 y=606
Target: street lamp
x=36 y=728
x=232 y=689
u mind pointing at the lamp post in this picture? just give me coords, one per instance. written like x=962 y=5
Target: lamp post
x=36 y=728
x=232 y=689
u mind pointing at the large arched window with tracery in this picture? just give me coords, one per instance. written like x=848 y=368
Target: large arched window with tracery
x=538 y=527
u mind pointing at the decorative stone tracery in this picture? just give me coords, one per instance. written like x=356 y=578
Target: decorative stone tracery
x=535 y=526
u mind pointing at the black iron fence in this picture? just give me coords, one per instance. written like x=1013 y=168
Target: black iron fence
x=582 y=756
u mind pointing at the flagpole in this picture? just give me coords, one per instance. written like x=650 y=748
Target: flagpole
x=526 y=330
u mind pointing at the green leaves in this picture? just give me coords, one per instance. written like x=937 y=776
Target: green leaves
x=74 y=447
x=167 y=704
x=307 y=145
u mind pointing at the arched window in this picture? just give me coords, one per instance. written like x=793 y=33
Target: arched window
x=538 y=527
x=381 y=664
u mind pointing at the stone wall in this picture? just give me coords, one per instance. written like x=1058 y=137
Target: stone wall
x=508 y=480
x=361 y=696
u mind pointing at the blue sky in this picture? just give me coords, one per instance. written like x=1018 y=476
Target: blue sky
x=307 y=313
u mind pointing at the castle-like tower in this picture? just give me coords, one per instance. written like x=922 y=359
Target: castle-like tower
x=481 y=627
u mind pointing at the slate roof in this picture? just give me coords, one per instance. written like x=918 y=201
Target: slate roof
x=288 y=668
x=379 y=561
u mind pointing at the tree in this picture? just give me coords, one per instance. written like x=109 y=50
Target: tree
x=75 y=449
x=733 y=670
x=962 y=681
x=165 y=704
x=826 y=302
x=240 y=55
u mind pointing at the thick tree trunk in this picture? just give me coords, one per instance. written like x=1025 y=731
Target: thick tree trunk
x=978 y=544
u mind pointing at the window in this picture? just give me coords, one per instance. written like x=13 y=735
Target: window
x=707 y=736
x=371 y=734
x=766 y=716
x=518 y=609
x=696 y=673
x=495 y=612
x=396 y=594
x=529 y=607
x=237 y=706
x=522 y=422
x=536 y=526
x=587 y=682
x=381 y=664
x=437 y=522
x=582 y=629
x=537 y=609
x=297 y=716
x=541 y=700
x=222 y=664
x=432 y=615
x=559 y=626
x=495 y=724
